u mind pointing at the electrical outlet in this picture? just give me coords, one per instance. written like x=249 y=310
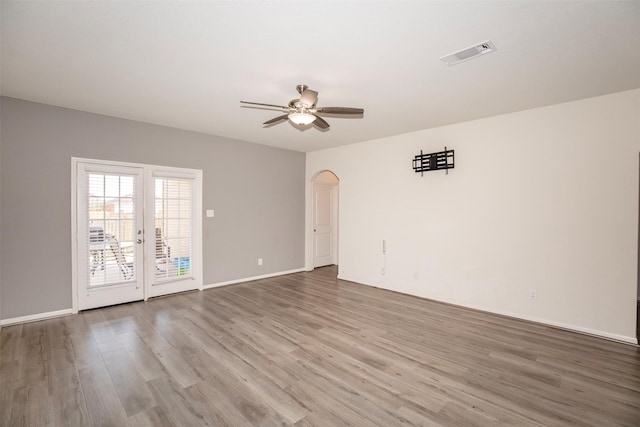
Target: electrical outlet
x=259 y=261
x=533 y=294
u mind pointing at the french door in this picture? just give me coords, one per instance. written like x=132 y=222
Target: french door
x=137 y=232
x=109 y=233
x=172 y=260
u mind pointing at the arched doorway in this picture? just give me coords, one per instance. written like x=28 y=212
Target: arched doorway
x=325 y=219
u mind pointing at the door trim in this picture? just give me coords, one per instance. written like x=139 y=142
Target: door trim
x=333 y=210
x=147 y=170
x=309 y=251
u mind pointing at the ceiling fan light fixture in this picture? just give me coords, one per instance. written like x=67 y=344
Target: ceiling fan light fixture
x=302 y=111
x=301 y=118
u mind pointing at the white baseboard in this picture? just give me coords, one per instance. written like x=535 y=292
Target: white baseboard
x=568 y=327
x=574 y=328
x=58 y=313
x=250 y=279
x=35 y=317
x=560 y=325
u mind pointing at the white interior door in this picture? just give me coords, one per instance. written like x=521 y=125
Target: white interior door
x=109 y=228
x=323 y=225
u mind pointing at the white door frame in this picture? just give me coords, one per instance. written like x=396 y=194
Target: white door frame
x=309 y=235
x=333 y=229
x=196 y=265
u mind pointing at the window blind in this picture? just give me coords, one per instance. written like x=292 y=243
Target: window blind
x=111 y=232
x=174 y=227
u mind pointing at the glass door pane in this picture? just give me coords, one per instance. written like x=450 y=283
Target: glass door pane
x=111 y=229
x=174 y=221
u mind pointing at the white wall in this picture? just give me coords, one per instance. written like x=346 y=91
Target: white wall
x=544 y=199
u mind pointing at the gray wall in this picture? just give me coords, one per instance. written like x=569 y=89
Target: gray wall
x=0 y=212
x=257 y=193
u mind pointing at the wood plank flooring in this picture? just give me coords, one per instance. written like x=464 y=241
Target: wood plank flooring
x=307 y=349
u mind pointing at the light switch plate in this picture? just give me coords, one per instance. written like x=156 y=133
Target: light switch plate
x=210 y=213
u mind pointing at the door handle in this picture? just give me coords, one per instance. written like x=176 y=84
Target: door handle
x=139 y=240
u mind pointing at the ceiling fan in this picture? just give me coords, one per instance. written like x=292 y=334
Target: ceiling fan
x=303 y=111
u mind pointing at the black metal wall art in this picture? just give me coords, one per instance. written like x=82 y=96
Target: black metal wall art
x=434 y=161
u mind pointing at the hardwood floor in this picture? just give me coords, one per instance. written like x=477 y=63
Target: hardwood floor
x=309 y=350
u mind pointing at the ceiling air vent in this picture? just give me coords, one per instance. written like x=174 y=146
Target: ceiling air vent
x=469 y=53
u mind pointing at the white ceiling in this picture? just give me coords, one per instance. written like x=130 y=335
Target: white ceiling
x=188 y=64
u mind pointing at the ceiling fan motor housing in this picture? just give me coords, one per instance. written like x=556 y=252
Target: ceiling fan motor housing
x=303 y=111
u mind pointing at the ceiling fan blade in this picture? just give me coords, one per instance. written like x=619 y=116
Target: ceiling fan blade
x=283 y=108
x=340 y=110
x=321 y=123
x=276 y=119
x=309 y=97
